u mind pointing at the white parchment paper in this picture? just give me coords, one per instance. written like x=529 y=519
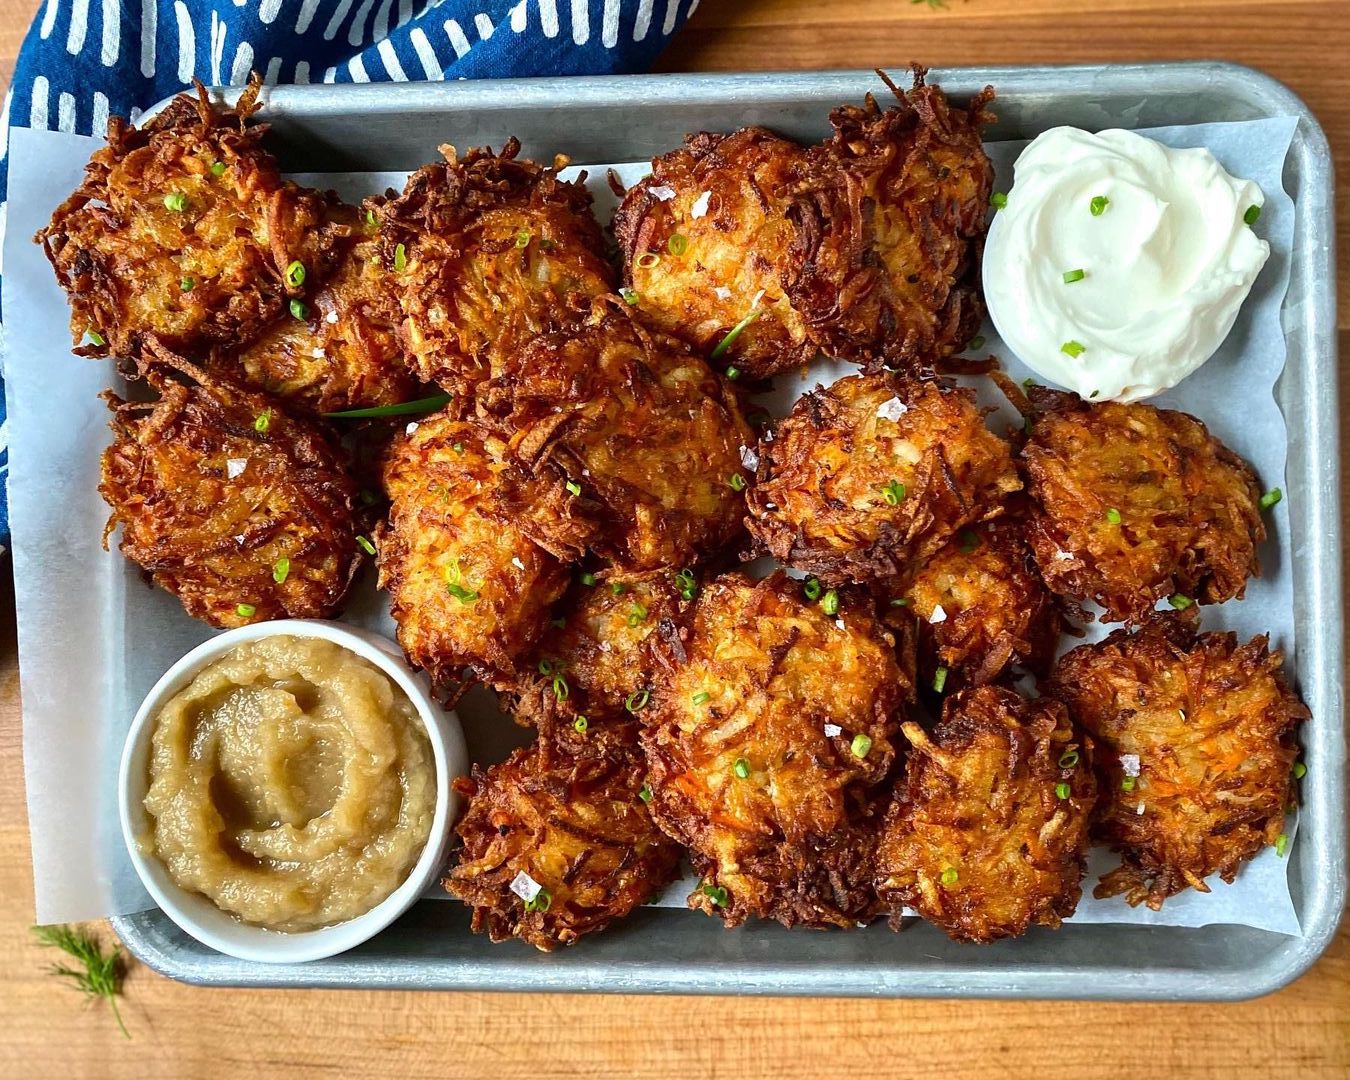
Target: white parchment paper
x=93 y=636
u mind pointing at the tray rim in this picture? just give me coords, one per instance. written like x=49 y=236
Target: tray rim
x=143 y=933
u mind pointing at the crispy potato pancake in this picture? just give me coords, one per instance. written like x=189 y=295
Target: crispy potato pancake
x=473 y=553
x=650 y=438
x=981 y=607
x=873 y=473
x=1195 y=743
x=598 y=651
x=988 y=832
x=765 y=740
x=340 y=349
x=567 y=813
x=239 y=509
x=888 y=266
x=183 y=231
x=489 y=251
x=707 y=240
x=1132 y=504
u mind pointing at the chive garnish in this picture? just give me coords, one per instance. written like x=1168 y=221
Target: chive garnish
x=580 y=724
x=245 y=611
x=939 y=679
x=262 y=421
x=734 y=333
x=295 y=274
x=811 y=590
x=998 y=200
x=1070 y=276
x=281 y=569
x=299 y=310
x=1180 y=601
x=860 y=745
x=1068 y=759
x=1253 y=212
x=365 y=545
x=1113 y=515
x=1098 y=205
x=175 y=201
x=403 y=408
x=949 y=876
x=637 y=700
x=737 y=482
x=573 y=488
x=1062 y=791
x=630 y=296
x=1073 y=348
x=741 y=768
x=1270 y=498
x=678 y=243
x=400 y=258
x=829 y=603
x=894 y=492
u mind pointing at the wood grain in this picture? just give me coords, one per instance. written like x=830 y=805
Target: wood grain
x=180 y=1031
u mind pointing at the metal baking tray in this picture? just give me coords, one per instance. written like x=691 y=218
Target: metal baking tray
x=386 y=127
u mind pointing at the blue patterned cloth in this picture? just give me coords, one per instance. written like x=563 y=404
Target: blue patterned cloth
x=86 y=59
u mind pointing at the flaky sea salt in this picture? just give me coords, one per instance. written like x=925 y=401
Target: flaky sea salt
x=892 y=409
x=331 y=317
x=515 y=561
x=831 y=730
x=234 y=466
x=749 y=458
x=1129 y=764
x=662 y=192
x=939 y=615
x=722 y=292
x=700 y=206
x=410 y=428
x=525 y=886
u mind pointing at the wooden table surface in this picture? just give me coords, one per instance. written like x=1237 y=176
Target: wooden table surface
x=180 y=1031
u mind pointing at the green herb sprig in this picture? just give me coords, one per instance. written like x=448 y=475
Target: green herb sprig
x=98 y=974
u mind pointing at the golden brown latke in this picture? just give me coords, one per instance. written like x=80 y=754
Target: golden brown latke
x=567 y=812
x=765 y=740
x=708 y=256
x=868 y=475
x=1133 y=504
x=648 y=434
x=489 y=251
x=471 y=553
x=239 y=509
x=888 y=263
x=598 y=650
x=988 y=832
x=1211 y=724
x=340 y=349
x=183 y=230
x=981 y=607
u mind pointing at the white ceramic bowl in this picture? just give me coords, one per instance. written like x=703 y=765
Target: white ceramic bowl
x=197 y=915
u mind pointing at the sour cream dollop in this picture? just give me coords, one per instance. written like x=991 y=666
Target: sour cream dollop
x=1164 y=245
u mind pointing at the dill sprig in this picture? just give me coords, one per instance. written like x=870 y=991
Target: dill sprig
x=99 y=974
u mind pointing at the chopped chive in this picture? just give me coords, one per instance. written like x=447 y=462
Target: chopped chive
x=95 y=337
x=998 y=200
x=218 y=169
x=701 y=697
x=560 y=687
x=1063 y=791
x=829 y=603
x=558 y=623
x=281 y=569
x=678 y=243
x=573 y=487
x=262 y=421
x=1270 y=498
x=545 y=666
x=1068 y=759
x=630 y=296
x=1253 y=212
x=1300 y=770
x=733 y=372
x=741 y=768
x=637 y=700
x=716 y=894
x=295 y=274
x=733 y=334
x=175 y=201
x=1070 y=276
x=617 y=587
x=1073 y=348
x=1098 y=205
x=1127 y=783
x=970 y=540
x=949 y=876
x=900 y=601
x=523 y=237
x=245 y=611
x=894 y=493
x=1094 y=394
x=587 y=578
x=645 y=792
x=687 y=584
x=400 y=258
x=1113 y=515
x=860 y=745
x=939 y=680
x=458 y=447
x=403 y=408
x=637 y=615
x=811 y=590
x=365 y=545
x=299 y=310
x=370 y=218
x=1179 y=601
x=977 y=342
x=460 y=593
x=187 y=284
x=580 y=724
x=1281 y=841
x=737 y=482
x=648 y=259
x=542 y=901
